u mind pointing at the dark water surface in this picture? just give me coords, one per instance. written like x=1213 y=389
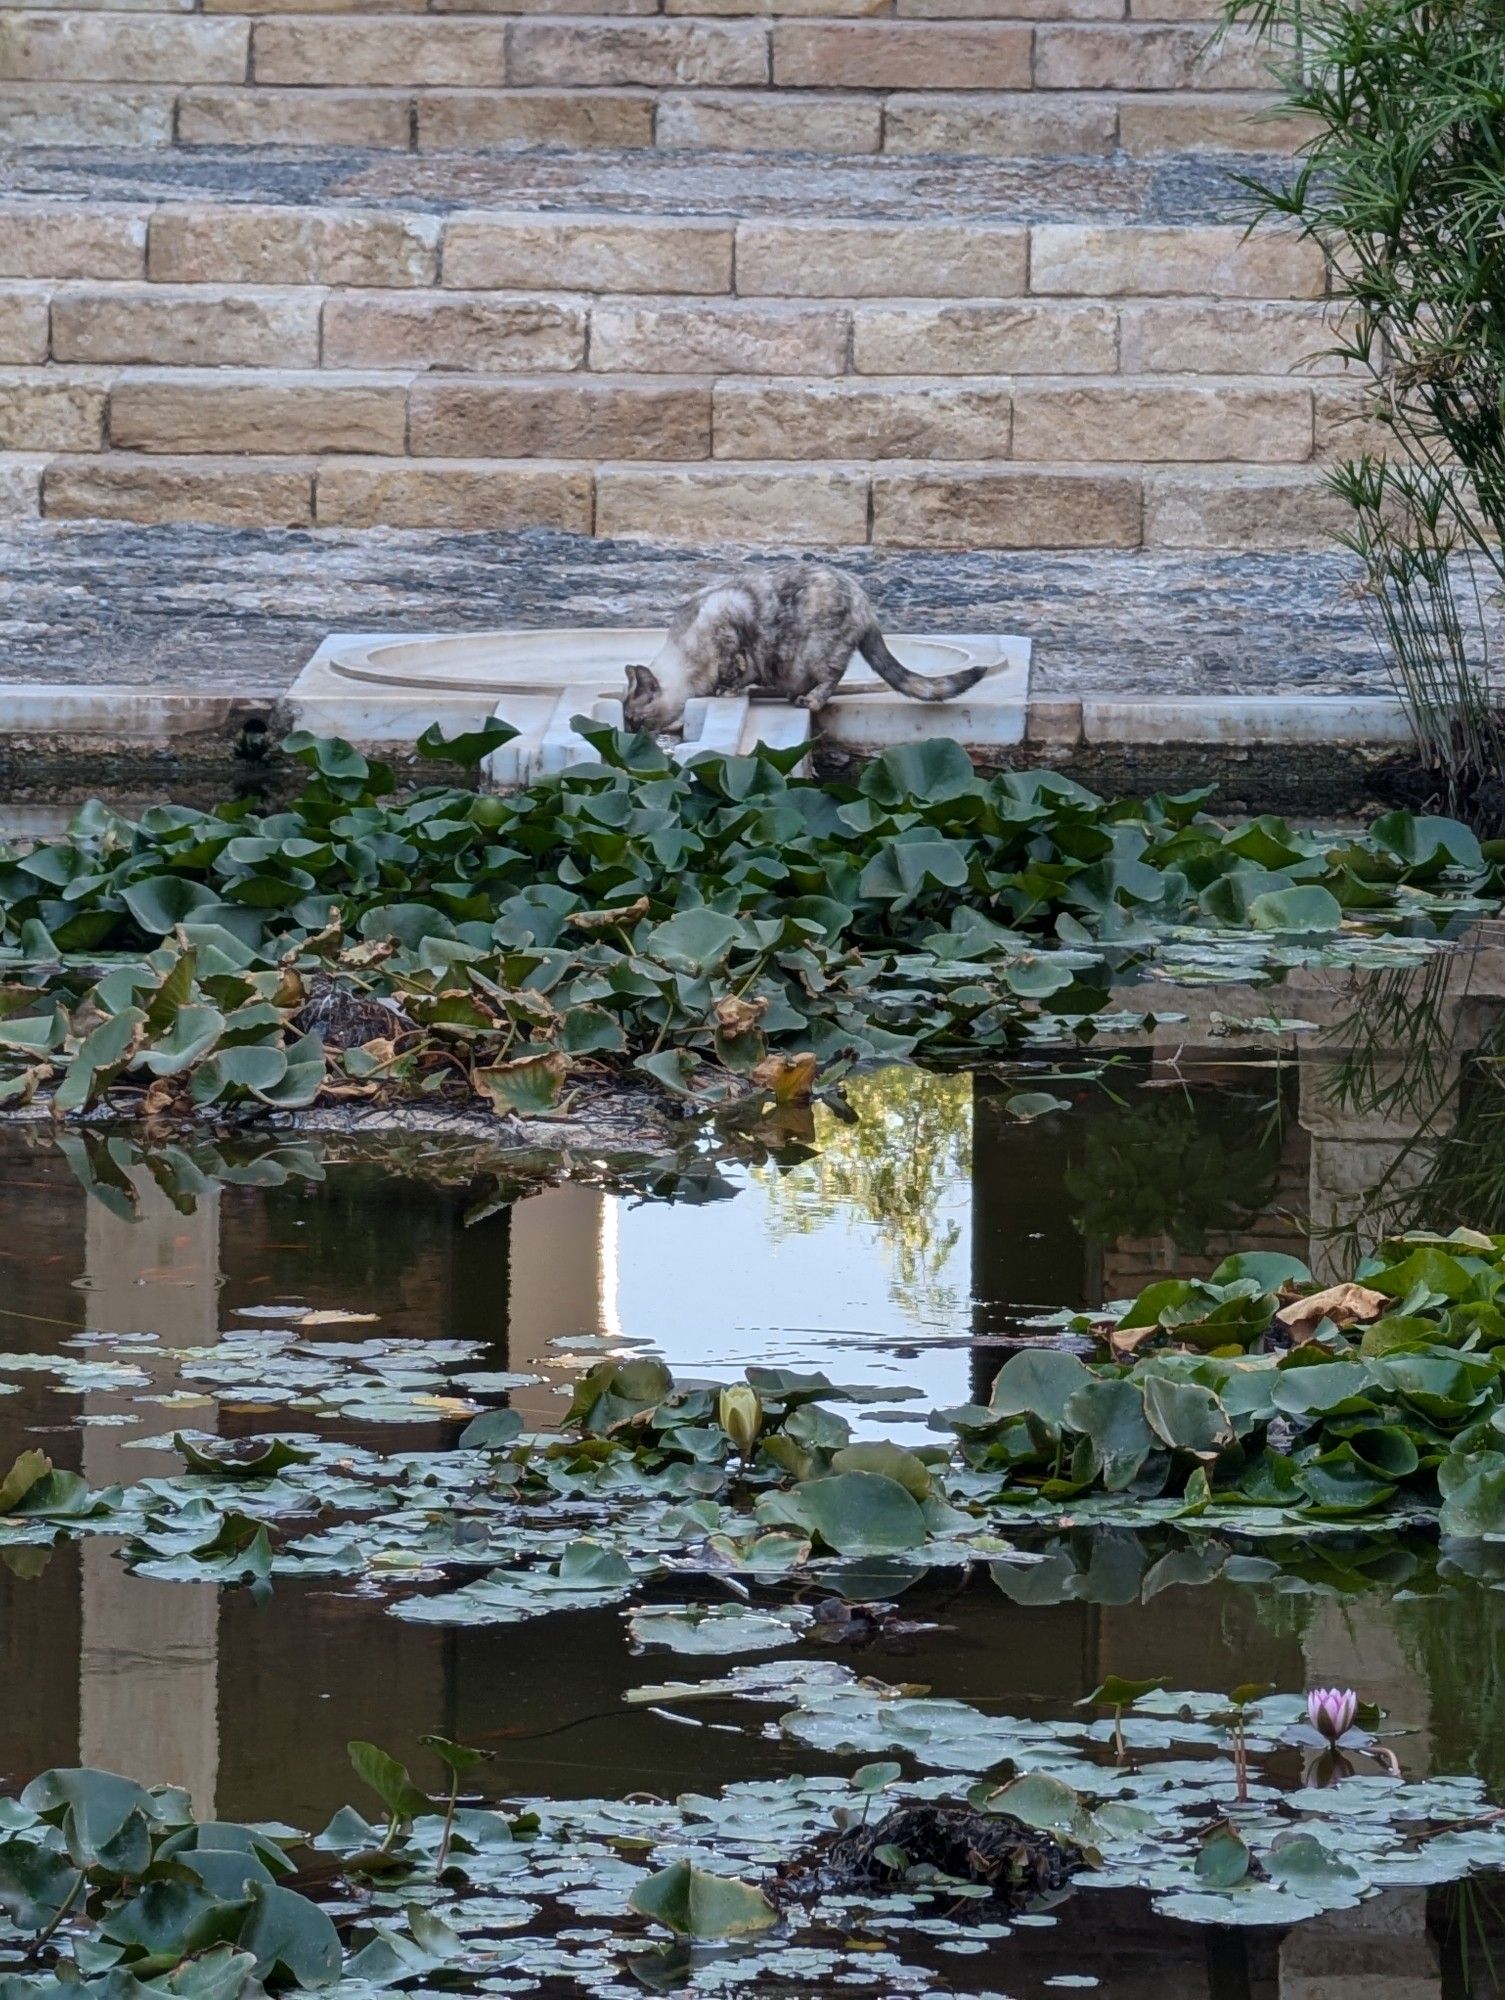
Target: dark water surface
x=907 y=1248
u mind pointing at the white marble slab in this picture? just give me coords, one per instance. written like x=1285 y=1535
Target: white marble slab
x=384 y=688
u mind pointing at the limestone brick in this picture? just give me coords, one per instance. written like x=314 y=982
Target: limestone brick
x=396 y=52
x=1005 y=507
x=844 y=260
x=475 y=331
x=71 y=47
x=260 y=117
x=608 y=253
x=902 y=55
x=1099 y=260
x=589 y=416
x=455 y=494
x=1232 y=337
x=185 y=326
x=237 y=492
x=1149 y=56
x=23 y=323
x=1019 y=124
x=847 y=419
x=1128 y=422
x=770 y=121
x=1208 y=121
x=1239 y=507
x=801 y=506
x=258 y=411
x=252 y=245
x=717 y=336
x=985 y=337
x=41 y=239
x=46 y=409
x=506 y=119
x=666 y=54
x=45 y=114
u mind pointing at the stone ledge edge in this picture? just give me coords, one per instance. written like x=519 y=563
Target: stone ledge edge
x=145 y=717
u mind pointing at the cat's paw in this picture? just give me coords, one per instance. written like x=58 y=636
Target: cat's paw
x=811 y=701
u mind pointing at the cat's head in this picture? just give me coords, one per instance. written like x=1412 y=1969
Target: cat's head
x=645 y=704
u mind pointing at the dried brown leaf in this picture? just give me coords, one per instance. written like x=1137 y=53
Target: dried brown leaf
x=790 y=1078
x=1345 y=1305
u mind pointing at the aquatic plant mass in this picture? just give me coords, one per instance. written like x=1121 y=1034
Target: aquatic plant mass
x=758 y=1544
x=703 y=1511
x=698 y=928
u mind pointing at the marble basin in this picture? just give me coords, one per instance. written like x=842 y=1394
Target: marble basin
x=384 y=689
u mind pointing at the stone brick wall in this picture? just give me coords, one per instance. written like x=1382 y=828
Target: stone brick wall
x=942 y=291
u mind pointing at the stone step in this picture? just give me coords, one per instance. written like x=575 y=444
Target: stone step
x=603 y=80
x=1002 y=49
x=1001 y=124
x=760 y=262
x=892 y=504
x=445 y=333
x=1046 y=419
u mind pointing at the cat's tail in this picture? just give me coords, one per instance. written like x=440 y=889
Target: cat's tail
x=920 y=687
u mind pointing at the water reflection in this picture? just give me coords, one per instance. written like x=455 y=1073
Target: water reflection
x=909 y=1246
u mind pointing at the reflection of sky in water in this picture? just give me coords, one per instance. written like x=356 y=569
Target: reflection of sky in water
x=717 y=1287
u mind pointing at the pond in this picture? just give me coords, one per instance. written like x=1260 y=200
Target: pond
x=376 y=1291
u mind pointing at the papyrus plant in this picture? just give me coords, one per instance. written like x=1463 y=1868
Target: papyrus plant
x=1403 y=185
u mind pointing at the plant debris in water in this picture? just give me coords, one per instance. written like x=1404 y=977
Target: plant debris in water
x=939 y=1846
x=710 y=930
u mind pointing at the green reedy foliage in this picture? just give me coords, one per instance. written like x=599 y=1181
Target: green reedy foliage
x=1403 y=185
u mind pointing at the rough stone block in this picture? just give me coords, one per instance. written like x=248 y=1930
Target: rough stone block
x=1206 y=121
x=1234 y=337
x=44 y=409
x=1100 y=260
x=236 y=492
x=770 y=121
x=608 y=253
x=173 y=326
x=293 y=118
x=834 y=10
x=801 y=506
x=1128 y=56
x=362 y=7
x=399 y=53
x=1009 y=10
x=1022 y=124
x=670 y=55
x=23 y=323
x=267 y=412
x=20 y=489
x=41 y=239
x=984 y=338
x=454 y=121
x=454 y=495
x=41 y=114
x=469 y=330
x=1005 y=507
x=1345 y=422
x=1239 y=507
x=717 y=337
x=858 y=420
x=1175 y=10
x=1126 y=422
x=588 y=416
x=845 y=260
x=592 y=7
x=120 y=48
x=902 y=55
x=291 y=246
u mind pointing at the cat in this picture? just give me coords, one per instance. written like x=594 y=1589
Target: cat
x=790 y=630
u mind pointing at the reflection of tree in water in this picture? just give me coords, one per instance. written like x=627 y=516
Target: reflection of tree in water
x=911 y=1144
x=1417 y=1056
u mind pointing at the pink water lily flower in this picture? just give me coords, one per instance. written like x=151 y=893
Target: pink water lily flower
x=1331 y=1711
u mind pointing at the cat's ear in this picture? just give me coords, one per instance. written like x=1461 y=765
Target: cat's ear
x=642 y=683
